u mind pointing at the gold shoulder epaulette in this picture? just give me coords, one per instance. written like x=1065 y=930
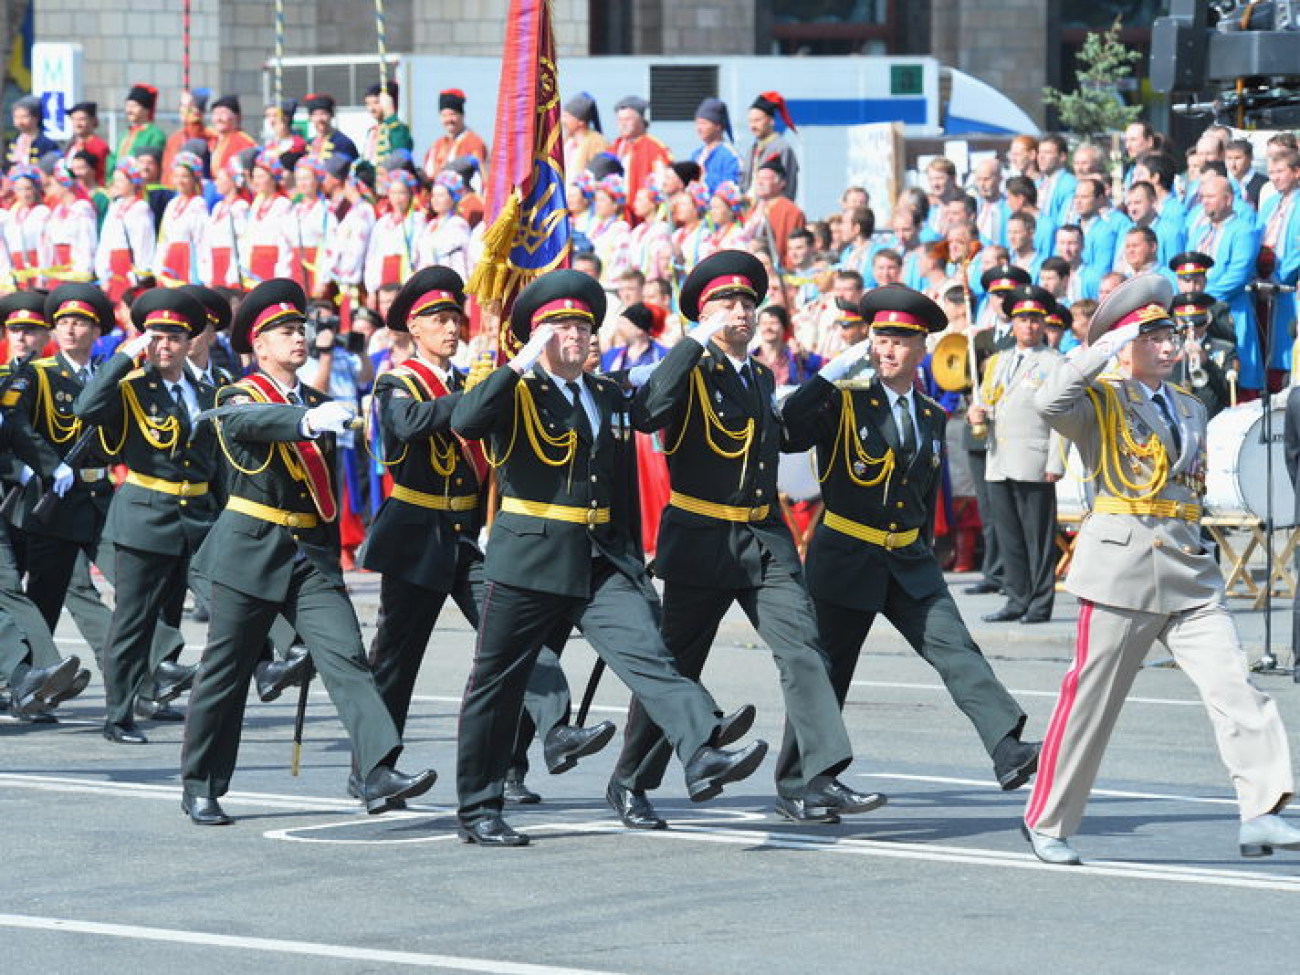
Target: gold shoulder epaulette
x=134 y=374
x=46 y=362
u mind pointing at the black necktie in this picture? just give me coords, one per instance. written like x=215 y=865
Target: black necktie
x=579 y=413
x=179 y=398
x=907 y=432
x=1159 y=400
x=293 y=397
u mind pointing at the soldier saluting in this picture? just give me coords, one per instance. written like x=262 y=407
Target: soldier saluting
x=1142 y=574
x=879 y=452
x=555 y=555
x=424 y=540
x=273 y=549
x=723 y=540
x=164 y=509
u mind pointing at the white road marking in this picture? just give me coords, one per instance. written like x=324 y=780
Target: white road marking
x=905 y=686
x=1113 y=793
x=706 y=831
x=311 y=948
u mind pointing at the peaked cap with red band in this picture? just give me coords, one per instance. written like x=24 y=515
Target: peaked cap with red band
x=278 y=301
x=23 y=309
x=1142 y=299
x=1028 y=299
x=81 y=299
x=558 y=295
x=214 y=304
x=1191 y=262
x=896 y=309
x=429 y=290
x=719 y=275
x=169 y=310
x=1004 y=277
x=1197 y=304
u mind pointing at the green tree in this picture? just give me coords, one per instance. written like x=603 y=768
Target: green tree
x=1096 y=107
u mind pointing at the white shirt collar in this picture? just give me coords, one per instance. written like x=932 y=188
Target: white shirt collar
x=895 y=397
x=441 y=373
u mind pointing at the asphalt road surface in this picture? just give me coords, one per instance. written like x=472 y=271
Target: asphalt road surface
x=104 y=874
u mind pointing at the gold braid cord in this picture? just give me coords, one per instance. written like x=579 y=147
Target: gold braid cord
x=538 y=438
x=442 y=455
x=992 y=391
x=713 y=425
x=846 y=439
x=1119 y=449
x=162 y=433
x=58 y=429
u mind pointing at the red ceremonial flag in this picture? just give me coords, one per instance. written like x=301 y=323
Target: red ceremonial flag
x=527 y=220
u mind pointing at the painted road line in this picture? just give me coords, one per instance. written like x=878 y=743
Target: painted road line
x=315 y=949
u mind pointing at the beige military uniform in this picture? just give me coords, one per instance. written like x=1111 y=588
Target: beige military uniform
x=1142 y=574
x=1021 y=453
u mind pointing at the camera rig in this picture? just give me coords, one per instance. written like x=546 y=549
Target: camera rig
x=1244 y=56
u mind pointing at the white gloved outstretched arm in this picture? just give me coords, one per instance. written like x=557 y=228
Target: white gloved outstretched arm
x=844 y=363
x=704 y=331
x=532 y=350
x=331 y=417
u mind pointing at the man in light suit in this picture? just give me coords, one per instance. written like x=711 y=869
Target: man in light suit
x=1279 y=225
x=1142 y=573
x=1021 y=467
x=1233 y=242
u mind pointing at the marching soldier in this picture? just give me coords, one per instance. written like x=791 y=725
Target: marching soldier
x=1021 y=467
x=879 y=449
x=723 y=540
x=274 y=548
x=1142 y=573
x=162 y=512
x=424 y=538
x=555 y=555
x=39 y=680
x=273 y=675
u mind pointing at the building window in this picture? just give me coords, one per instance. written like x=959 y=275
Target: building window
x=831 y=26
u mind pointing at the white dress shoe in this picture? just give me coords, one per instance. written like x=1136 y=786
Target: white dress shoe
x=1260 y=835
x=1051 y=849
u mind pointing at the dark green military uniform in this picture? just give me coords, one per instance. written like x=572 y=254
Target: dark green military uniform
x=872 y=553
x=723 y=540
x=51 y=386
x=271 y=552
x=555 y=555
x=163 y=511
x=26 y=640
x=424 y=539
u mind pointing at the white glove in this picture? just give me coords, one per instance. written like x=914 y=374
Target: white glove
x=707 y=329
x=843 y=364
x=1112 y=342
x=331 y=417
x=532 y=351
x=138 y=344
x=64 y=478
x=638 y=375
x=25 y=474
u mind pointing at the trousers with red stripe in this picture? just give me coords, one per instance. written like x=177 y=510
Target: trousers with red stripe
x=1110 y=648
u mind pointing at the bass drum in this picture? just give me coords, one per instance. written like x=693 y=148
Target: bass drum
x=1235 y=483
x=796 y=474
